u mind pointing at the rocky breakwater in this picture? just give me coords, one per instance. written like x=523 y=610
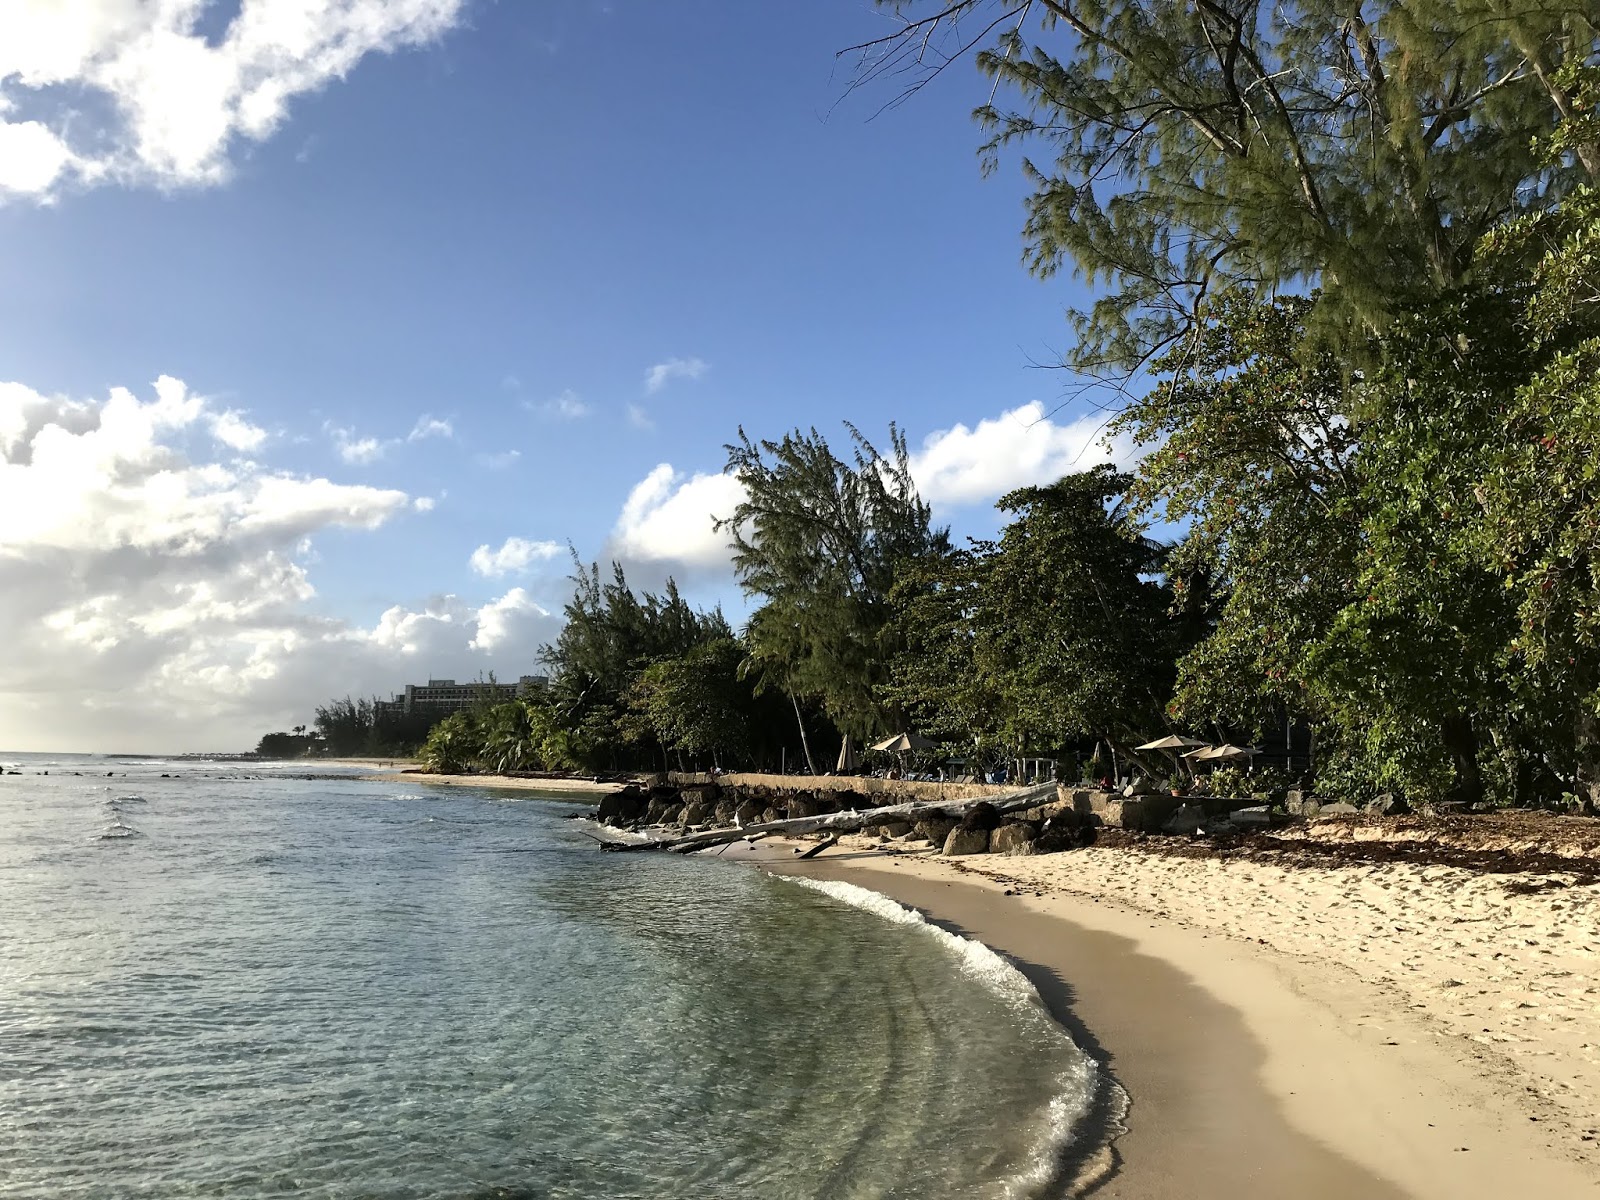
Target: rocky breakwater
x=710 y=805
x=1039 y=820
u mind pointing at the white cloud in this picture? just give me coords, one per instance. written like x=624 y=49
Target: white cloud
x=161 y=602
x=1019 y=448
x=358 y=450
x=514 y=554
x=512 y=620
x=663 y=373
x=139 y=93
x=639 y=417
x=232 y=430
x=429 y=426
x=499 y=461
x=568 y=406
x=668 y=518
x=423 y=504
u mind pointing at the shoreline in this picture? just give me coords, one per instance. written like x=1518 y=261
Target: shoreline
x=504 y=783
x=1250 y=1073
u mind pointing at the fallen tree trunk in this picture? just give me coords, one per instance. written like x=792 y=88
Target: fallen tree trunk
x=844 y=822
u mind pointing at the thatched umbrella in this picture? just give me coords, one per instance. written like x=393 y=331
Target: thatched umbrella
x=1227 y=752
x=900 y=743
x=1173 y=744
x=904 y=743
x=849 y=760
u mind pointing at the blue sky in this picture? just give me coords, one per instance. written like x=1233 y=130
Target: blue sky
x=508 y=271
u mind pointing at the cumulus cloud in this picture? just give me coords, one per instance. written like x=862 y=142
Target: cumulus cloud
x=515 y=554
x=150 y=92
x=1019 y=448
x=512 y=620
x=668 y=518
x=157 y=601
x=232 y=430
x=663 y=373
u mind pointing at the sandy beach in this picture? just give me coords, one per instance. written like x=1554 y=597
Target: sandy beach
x=1364 y=1030
x=512 y=783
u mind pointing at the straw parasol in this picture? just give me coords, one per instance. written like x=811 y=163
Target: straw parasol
x=849 y=760
x=1173 y=744
x=1227 y=752
x=900 y=743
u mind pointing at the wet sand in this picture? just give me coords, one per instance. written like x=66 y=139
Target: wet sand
x=1251 y=1075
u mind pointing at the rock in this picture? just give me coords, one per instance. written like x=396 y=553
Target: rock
x=802 y=804
x=1340 y=809
x=1387 y=805
x=981 y=815
x=967 y=841
x=935 y=828
x=726 y=808
x=621 y=808
x=771 y=814
x=1258 y=815
x=1187 y=821
x=895 y=829
x=670 y=814
x=748 y=813
x=1015 y=838
x=696 y=812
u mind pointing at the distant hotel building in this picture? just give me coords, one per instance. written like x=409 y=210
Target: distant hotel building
x=441 y=697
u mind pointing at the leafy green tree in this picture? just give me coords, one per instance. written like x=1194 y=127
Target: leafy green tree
x=1180 y=150
x=455 y=745
x=611 y=635
x=696 y=703
x=819 y=540
x=1060 y=630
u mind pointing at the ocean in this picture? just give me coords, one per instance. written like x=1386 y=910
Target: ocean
x=234 y=982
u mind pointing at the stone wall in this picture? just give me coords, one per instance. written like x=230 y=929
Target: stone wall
x=882 y=791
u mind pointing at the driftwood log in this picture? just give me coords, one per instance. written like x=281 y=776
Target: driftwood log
x=842 y=822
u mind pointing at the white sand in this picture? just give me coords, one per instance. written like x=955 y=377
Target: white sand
x=1428 y=1023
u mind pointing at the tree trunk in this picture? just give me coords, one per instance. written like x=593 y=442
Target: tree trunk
x=1461 y=741
x=805 y=743
x=841 y=822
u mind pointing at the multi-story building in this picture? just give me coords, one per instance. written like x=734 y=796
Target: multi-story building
x=441 y=697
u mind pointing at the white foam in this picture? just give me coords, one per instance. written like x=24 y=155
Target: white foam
x=1077 y=1086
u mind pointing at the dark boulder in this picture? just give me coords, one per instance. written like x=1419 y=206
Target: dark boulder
x=622 y=808
x=981 y=815
x=935 y=828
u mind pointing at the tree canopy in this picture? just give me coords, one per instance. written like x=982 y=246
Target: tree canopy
x=1180 y=150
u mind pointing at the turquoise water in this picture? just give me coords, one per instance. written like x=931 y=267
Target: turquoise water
x=229 y=983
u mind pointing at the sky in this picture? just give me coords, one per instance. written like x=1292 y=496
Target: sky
x=333 y=328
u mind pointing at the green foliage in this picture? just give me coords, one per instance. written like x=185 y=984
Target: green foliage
x=286 y=745
x=1188 y=149
x=821 y=542
x=455 y=745
x=1057 y=631
x=696 y=703
x=613 y=634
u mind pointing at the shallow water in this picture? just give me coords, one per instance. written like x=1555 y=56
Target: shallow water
x=225 y=984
